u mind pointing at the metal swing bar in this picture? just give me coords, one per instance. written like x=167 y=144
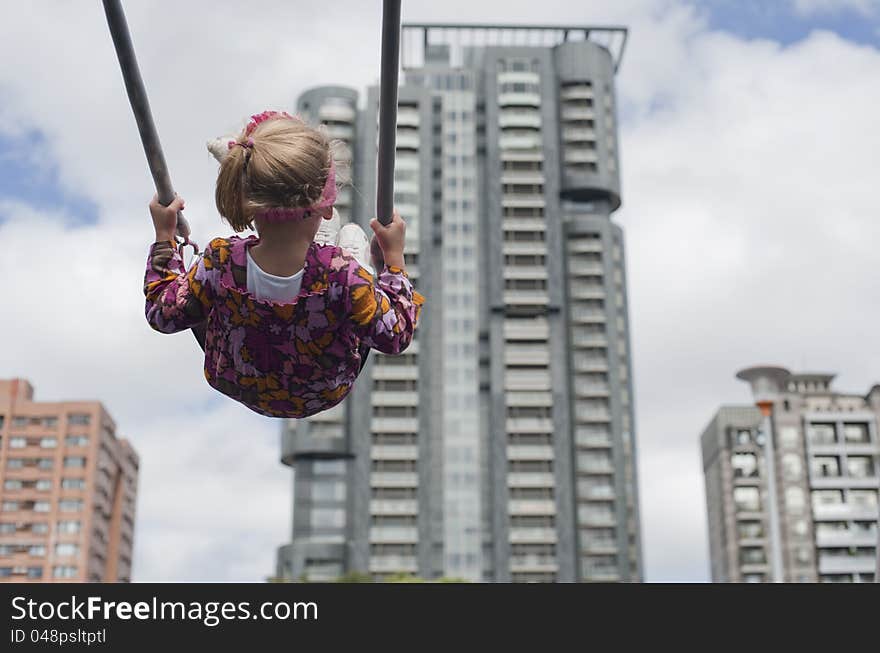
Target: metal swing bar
x=388 y=110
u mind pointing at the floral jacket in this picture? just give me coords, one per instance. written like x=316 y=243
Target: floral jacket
x=281 y=360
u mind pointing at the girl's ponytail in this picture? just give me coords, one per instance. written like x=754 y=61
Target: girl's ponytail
x=229 y=195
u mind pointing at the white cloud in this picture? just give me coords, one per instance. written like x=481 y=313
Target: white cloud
x=811 y=7
x=748 y=211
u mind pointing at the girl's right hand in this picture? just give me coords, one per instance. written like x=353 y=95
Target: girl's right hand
x=165 y=217
x=391 y=239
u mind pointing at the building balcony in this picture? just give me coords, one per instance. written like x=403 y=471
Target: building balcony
x=408 y=118
x=525 y=272
x=529 y=425
x=582 y=269
x=538 y=357
x=516 y=330
x=529 y=452
x=584 y=245
x=589 y=341
x=528 y=399
x=386 y=398
x=524 y=224
x=530 y=120
x=846 y=538
x=843 y=512
x=532 y=535
x=394 y=452
x=531 y=507
x=533 y=563
x=573 y=154
x=392 y=564
x=394 y=507
x=578 y=135
x=835 y=482
x=522 y=177
x=579 y=92
x=600 y=547
x=394 y=535
x=577 y=113
x=532 y=248
x=587 y=316
x=394 y=479
x=395 y=372
x=394 y=424
x=341 y=132
x=526 y=297
x=337 y=113
x=530 y=479
x=518 y=76
x=523 y=200
x=407 y=141
x=865 y=564
x=519 y=99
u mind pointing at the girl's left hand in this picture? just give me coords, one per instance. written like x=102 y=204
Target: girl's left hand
x=165 y=217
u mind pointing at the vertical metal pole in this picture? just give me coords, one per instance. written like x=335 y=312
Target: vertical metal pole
x=773 y=500
x=140 y=106
x=388 y=110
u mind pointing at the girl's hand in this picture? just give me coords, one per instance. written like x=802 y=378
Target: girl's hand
x=165 y=217
x=391 y=239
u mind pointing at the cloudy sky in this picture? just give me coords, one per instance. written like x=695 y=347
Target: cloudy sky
x=749 y=156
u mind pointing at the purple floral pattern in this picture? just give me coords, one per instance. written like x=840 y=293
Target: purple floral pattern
x=281 y=360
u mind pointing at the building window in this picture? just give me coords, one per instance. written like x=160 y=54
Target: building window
x=9 y=506
x=45 y=463
x=827 y=498
x=41 y=506
x=74 y=461
x=792 y=469
x=752 y=555
x=822 y=433
x=37 y=550
x=743 y=437
x=860 y=466
x=825 y=466
x=70 y=505
x=76 y=441
x=68 y=527
x=747 y=499
x=62 y=571
x=82 y=419
x=17 y=443
x=48 y=443
x=73 y=483
x=750 y=529
x=794 y=499
x=856 y=433
x=66 y=549
x=864 y=498
x=12 y=485
x=789 y=436
x=40 y=528
x=44 y=484
x=745 y=465
x=328 y=518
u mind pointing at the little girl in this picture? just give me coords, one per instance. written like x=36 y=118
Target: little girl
x=289 y=320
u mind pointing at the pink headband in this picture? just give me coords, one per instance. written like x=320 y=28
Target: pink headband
x=328 y=198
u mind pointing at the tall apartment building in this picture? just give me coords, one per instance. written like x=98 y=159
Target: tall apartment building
x=67 y=491
x=792 y=483
x=501 y=444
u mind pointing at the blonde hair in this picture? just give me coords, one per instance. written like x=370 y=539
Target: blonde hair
x=286 y=165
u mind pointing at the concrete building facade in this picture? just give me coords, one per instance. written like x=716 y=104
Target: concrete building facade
x=501 y=445
x=68 y=488
x=792 y=483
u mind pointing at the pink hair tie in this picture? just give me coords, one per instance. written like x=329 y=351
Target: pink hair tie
x=248 y=145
